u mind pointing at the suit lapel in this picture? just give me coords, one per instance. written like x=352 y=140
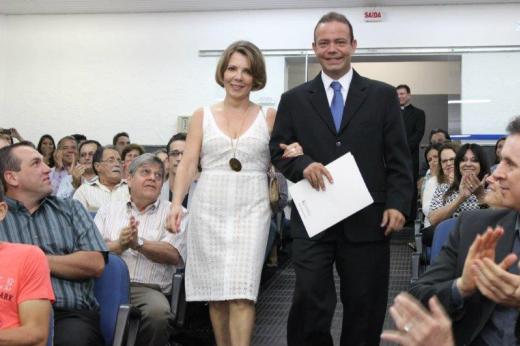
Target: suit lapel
x=504 y=246
x=357 y=94
x=320 y=103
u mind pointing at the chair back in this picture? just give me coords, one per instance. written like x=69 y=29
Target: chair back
x=50 y=338
x=440 y=236
x=112 y=289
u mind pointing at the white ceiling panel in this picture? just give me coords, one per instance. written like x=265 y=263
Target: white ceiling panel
x=143 y=6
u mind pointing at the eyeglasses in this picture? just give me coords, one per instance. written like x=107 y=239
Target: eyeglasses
x=113 y=161
x=445 y=161
x=175 y=153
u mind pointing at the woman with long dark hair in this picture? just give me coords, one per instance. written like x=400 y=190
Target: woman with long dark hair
x=466 y=191
x=46 y=147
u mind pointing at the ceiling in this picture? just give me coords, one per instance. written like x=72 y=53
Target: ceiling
x=143 y=6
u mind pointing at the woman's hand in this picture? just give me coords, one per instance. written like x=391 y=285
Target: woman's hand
x=58 y=159
x=291 y=150
x=175 y=218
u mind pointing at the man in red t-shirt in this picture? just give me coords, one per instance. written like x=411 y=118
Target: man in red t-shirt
x=25 y=292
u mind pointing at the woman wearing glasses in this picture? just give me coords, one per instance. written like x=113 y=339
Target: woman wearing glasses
x=463 y=188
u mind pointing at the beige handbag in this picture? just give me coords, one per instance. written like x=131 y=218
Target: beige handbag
x=274 y=190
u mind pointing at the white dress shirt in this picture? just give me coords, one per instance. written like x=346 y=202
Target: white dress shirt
x=113 y=217
x=93 y=195
x=344 y=81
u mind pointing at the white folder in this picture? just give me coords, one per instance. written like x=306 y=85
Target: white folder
x=347 y=195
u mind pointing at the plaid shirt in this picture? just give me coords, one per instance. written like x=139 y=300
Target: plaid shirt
x=58 y=227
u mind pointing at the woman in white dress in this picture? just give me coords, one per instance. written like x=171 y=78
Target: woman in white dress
x=229 y=212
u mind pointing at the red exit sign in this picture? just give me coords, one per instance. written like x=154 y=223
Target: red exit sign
x=373 y=16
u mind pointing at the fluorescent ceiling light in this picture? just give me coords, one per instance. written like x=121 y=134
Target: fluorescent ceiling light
x=468 y=101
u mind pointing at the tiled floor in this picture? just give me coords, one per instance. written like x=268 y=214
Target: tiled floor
x=275 y=297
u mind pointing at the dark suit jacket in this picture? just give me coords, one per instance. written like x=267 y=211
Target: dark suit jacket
x=438 y=279
x=371 y=129
x=414 y=120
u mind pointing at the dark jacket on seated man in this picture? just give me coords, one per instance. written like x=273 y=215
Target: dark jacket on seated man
x=476 y=319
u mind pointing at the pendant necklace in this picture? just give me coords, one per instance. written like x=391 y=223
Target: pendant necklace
x=235 y=163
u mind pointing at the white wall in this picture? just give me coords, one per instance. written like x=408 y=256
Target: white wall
x=98 y=74
x=494 y=77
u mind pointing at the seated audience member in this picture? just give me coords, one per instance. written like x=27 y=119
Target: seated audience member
x=83 y=172
x=10 y=134
x=46 y=147
x=120 y=141
x=445 y=175
x=135 y=229
x=4 y=141
x=475 y=275
x=467 y=189
x=109 y=186
x=65 y=158
x=175 y=148
x=417 y=326
x=429 y=182
x=498 y=149
x=65 y=232
x=130 y=152
x=25 y=292
x=439 y=137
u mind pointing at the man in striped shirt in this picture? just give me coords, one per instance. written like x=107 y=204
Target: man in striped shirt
x=63 y=229
x=135 y=229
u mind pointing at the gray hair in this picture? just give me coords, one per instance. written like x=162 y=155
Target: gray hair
x=143 y=159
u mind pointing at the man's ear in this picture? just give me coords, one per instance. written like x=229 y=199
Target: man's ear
x=3 y=210
x=11 y=178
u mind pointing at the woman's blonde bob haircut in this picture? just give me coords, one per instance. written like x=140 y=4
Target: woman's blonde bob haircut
x=256 y=60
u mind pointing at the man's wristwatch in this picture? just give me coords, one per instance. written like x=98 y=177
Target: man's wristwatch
x=140 y=243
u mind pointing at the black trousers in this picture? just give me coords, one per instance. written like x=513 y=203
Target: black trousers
x=77 y=328
x=363 y=269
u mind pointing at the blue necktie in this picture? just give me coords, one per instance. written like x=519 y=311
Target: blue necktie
x=337 y=104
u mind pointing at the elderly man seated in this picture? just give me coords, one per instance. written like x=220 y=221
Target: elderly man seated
x=67 y=235
x=82 y=172
x=136 y=230
x=109 y=186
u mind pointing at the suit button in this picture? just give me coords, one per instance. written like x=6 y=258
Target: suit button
x=338 y=144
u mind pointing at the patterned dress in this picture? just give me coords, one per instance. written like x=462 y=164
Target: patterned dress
x=471 y=203
x=229 y=215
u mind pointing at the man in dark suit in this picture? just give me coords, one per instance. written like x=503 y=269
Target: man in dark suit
x=414 y=120
x=481 y=296
x=368 y=125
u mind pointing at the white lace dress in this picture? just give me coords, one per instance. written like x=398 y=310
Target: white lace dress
x=229 y=215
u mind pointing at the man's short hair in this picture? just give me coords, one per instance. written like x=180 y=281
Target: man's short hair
x=435 y=131
x=98 y=156
x=253 y=55
x=120 y=134
x=513 y=128
x=181 y=136
x=129 y=148
x=334 y=17
x=89 y=141
x=66 y=138
x=403 y=86
x=9 y=161
x=79 y=137
x=145 y=159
